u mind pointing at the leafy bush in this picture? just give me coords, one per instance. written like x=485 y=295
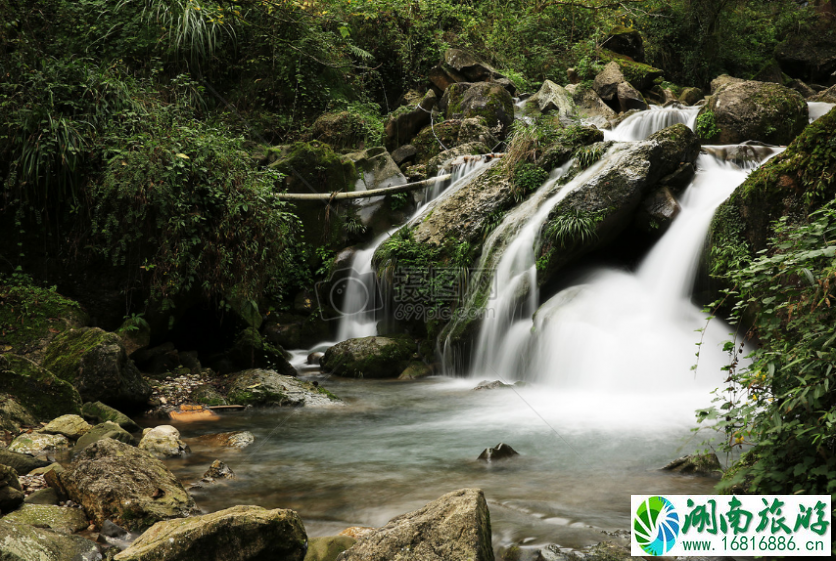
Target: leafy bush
x=707 y=127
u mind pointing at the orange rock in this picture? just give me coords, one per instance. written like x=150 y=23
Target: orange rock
x=189 y=416
x=357 y=532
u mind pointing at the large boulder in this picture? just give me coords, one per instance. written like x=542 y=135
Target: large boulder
x=250 y=350
x=328 y=548
x=21 y=542
x=625 y=41
x=13 y=415
x=552 y=97
x=606 y=82
x=630 y=98
x=37 y=444
x=472 y=134
x=750 y=110
x=407 y=121
x=641 y=76
x=71 y=426
x=117 y=482
x=492 y=102
x=375 y=169
x=269 y=388
x=11 y=493
x=462 y=66
x=810 y=56
x=22 y=463
x=103 y=431
x=369 y=357
x=240 y=533
x=657 y=211
x=97 y=412
x=163 y=442
x=95 y=362
x=613 y=194
x=455 y=527
x=36 y=388
x=589 y=105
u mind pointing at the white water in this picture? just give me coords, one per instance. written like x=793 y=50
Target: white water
x=357 y=297
x=643 y=124
x=818 y=109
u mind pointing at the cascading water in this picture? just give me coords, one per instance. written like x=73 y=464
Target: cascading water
x=643 y=124
x=360 y=302
x=818 y=109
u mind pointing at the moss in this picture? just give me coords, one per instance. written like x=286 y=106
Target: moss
x=37 y=389
x=66 y=351
x=319 y=389
x=455 y=94
x=315 y=165
x=427 y=145
x=29 y=314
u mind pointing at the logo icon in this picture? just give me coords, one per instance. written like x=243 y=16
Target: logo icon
x=350 y=293
x=656 y=525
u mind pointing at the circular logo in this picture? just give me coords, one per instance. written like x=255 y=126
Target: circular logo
x=349 y=296
x=656 y=525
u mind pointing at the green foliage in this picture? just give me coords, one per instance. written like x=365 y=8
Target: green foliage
x=783 y=402
x=527 y=140
x=572 y=227
x=706 y=127
x=527 y=177
x=399 y=201
x=588 y=155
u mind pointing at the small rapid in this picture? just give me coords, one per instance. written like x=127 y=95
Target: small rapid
x=644 y=123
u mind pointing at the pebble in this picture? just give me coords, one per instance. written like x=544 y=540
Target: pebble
x=177 y=390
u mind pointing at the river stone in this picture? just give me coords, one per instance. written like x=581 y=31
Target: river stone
x=491 y=102
x=751 y=110
x=71 y=426
x=22 y=463
x=240 y=533
x=492 y=385
x=691 y=96
x=36 y=388
x=59 y=518
x=444 y=159
x=163 y=442
x=115 y=481
x=370 y=357
x=416 y=370
x=499 y=452
x=96 y=363
x=723 y=80
x=328 y=548
x=97 y=412
x=657 y=211
x=630 y=98
x=696 y=464
x=606 y=82
x=13 y=415
x=37 y=444
x=106 y=430
x=590 y=106
x=235 y=439
x=265 y=387
x=406 y=122
x=20 y=542
x=48 y=496
x=455 y=527
x=552 y=97
x=827 y=96
x=207 y=394
x=219 y=470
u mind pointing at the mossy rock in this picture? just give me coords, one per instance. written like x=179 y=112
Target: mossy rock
x=250 y=350
x=207 y=394
x=327 y=548
x=30 y=317
x=104 y=431
x=493 y=103
x=96 y=363
x=22 y=542
x=641 y=76
x=13 y=415
x=97 y=412
x=343 y=129
x=370 y=357
x=268 y=388
x=427 y=142
x=59 y=518
x=314 y=167
x=626 y=41
x=37 y=389
x=415 y=371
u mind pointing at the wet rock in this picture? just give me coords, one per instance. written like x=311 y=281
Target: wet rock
x=71 y=426
x=370 y=357
x=416 y=370
x=802 y=88
x=405 y=154
x=630 y=98
x=499 y=452
x=252 y=351
x=98 y=413
x=21 y=542
x=58 y=518
x=444 y=159
x=13 y=415
x=115 y=481
x=219 y=470
x=22 y=463
x=36 y=388
x=95 y=363
x=104 y=431
x=491 y=102
x=163 y=442
x=657 y=211
x=314 y=358
x=591 y=106
x=827 y=96
x=235 y=439
x=607 y=81
x=696 y=464
x=376 y=169
x=11 y=493
x=552 y=97
x=753 y=110
x=269 y=388
x=241 y=533
x=37 y=444
x=455 y=527
x=328 y=548
x=207 y=394
x=495 y=385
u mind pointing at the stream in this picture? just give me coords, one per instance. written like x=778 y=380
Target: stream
x=609 y=395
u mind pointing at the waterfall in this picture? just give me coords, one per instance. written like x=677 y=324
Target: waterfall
x=357 y=296
x=643 y=124
x=616 y=330
x=818 y=109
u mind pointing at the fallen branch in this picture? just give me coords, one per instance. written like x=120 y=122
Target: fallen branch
x=341 y=196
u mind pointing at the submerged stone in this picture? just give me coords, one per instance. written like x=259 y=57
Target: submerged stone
x=499 y=452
